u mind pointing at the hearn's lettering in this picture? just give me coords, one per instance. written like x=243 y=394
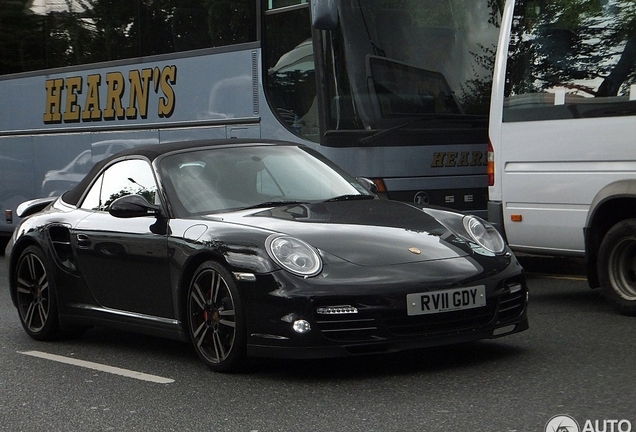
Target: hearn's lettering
x=458 y=159
x=77 y=98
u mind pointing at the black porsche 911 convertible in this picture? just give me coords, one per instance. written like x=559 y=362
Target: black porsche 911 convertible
x=257 y=248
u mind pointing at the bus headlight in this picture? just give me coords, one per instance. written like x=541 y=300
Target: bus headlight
x=294 y=255
x=484 y=234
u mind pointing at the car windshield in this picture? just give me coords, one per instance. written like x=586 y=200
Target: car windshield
x=230 y=178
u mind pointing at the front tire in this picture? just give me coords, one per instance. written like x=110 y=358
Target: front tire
x=216 y=320
x=617 y=266
x=35 y=294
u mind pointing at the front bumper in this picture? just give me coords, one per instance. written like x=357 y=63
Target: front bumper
x=381 y=323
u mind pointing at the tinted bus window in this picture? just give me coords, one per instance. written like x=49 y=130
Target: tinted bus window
x=53 y=33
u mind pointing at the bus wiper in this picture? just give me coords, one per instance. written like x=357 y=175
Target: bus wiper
x=350 y=198
x=448 y=118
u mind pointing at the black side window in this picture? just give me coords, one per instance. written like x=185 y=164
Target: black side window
x=122 y=178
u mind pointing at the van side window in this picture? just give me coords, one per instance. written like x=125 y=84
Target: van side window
x=566 y=61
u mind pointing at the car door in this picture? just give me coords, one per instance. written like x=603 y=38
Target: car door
x=124 y=261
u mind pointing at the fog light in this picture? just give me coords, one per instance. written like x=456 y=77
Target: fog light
x=301 y=326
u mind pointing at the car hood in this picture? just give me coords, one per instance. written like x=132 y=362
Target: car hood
x=364 y=232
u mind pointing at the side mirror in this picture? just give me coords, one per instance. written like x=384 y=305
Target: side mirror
x=368 y=184
x=131 y=206
x=324 y=14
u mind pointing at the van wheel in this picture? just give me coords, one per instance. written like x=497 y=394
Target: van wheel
x=617 y=266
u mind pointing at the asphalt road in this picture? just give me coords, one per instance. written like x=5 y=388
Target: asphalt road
x=578 y=358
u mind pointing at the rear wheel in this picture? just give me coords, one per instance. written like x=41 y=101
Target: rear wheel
x=617 y=266
x=35 y=294
x=216 y=319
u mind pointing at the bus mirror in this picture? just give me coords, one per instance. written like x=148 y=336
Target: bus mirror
x=324 y=14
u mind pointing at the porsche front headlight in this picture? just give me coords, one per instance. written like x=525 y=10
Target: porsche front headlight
x=294 y=255
x=484 y=234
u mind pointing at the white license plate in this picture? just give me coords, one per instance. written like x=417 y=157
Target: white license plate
x=446 y=300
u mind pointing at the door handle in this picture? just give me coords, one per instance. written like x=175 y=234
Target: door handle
x=83 y=240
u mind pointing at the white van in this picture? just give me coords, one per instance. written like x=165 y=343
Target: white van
x=562 y=161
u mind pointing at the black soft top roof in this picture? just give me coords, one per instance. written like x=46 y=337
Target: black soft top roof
x=152 y=152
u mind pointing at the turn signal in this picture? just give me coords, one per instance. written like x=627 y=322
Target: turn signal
x=491 y=165
x=380 y=184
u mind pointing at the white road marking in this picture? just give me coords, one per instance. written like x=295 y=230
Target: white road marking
x=98 y=366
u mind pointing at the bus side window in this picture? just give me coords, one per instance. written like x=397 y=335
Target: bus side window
x=566 y=63
x=105 y=31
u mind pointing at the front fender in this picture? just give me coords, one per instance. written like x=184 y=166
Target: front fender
x=241 y=247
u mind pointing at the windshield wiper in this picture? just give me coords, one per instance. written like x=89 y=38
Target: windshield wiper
x=350 y=198
x=448 y=118
x=272 y=204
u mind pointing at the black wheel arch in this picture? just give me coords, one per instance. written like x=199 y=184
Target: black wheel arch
x=51 y=328
x=202 y=264
x=189 y=269
x=16 y=252
x=46 y=239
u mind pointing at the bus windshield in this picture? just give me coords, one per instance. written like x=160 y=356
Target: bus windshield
x=389 y=61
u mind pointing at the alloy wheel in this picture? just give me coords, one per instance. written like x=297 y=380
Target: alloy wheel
x=33 y=292
x=212 y=315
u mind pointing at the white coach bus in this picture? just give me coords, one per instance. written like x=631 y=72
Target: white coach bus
x=563 y=136
x=393 y=90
